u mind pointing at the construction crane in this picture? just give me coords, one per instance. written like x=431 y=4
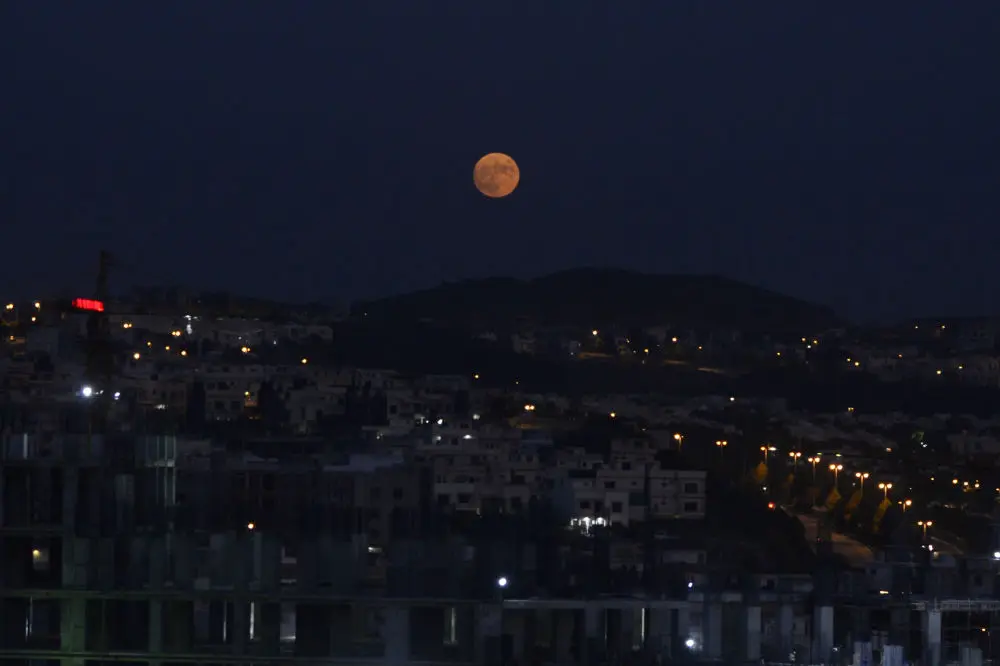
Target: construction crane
x=100 y=361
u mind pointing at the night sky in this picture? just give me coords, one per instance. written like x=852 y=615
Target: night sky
x=301 y=149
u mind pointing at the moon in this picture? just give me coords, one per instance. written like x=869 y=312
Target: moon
x=496 y=175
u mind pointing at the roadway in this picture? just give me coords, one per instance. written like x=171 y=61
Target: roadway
x=945 y=547
x=856 y=553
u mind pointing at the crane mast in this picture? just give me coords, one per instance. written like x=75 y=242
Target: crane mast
x=100 y=362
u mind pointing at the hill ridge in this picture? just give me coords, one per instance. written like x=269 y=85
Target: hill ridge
x=591 y=296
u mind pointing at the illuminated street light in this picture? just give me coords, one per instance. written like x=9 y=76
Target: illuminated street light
x=885 y=487
x=502 y=584
x=836 y=468
x=862 y=477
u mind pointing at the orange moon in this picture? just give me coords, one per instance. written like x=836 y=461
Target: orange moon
x=496 y=175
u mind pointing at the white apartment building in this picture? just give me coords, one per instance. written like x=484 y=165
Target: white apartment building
x=229 y=388
x=677 y=493
x=580 y=496
x=629 y=487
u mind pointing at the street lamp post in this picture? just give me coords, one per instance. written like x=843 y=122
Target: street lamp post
x=722 y=444
x=795 y=455
x=679 y=438
x=767 y=450
x=862 y=477
x=907 y=503
x=835 y=468
x=885 y=488
x=812 y=461
x=924 y=524
x=502 y=583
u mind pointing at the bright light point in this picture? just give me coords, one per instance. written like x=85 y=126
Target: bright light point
x=304 y=361
x=250 y=526
x=87 y=391
x=502 y=581
x=689 y=644
x=118 y=395
x=36 y=554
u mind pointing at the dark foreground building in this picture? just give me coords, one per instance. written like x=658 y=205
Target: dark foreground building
x=116 y=549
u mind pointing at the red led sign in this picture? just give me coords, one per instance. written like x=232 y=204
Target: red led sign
x=88 y=304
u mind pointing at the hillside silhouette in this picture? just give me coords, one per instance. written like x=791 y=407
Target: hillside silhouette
x=592 y=297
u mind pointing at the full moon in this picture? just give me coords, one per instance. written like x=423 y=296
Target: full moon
x=496 y=175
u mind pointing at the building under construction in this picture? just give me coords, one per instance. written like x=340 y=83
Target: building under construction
x=101 y=562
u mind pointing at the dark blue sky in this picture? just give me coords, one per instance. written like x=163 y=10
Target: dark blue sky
x=848 y=154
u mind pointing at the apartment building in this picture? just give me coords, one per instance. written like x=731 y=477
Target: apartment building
x=371 y=495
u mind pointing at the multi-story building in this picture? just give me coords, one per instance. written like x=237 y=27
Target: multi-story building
x=157 y=549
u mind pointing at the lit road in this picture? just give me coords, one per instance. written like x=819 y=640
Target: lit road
x=856 y=553
x=945 y=547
